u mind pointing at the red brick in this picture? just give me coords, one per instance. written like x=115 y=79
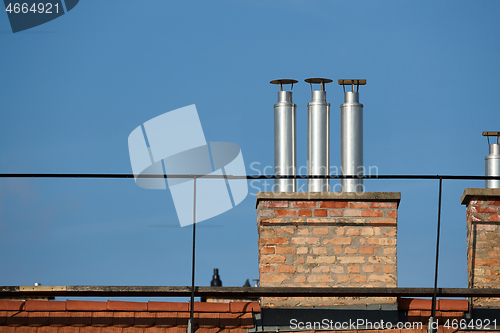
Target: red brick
x=305 y=212
x=353 y=269
x=320 y=231
x=319 y=278
x=211 y=307
x=352 y=232
x=285 y=212
x=369 y=268
x=338 y=241
x=352 y=212
x=351 y=278
x=333 y=204
x=320 y=212
x=304 y=204
x=275 y=204
x=272 y=221
x=486 y=262
x=305 y=240
x=273 y=241
x=127 y=306
x=392 y=214
x=266 y=268
x=372 y=213
x=317 y=221
x=273 y=278
x=285 y=250
x=384 y=205
x=167 y=306
x=11 y=305
x=319 y=250
x=358 y=204
x=487 y=209
x=336 y=212
x=86 y=306
x=267 y=250
x=388 y=269
x=494 y=203
x=284 y=230
x=493 y=254
x=272 y=259
x=45 y=306
x=494 y=218
x=351 y=250
x=286 y=269
x=366 y=250
x=383 y=222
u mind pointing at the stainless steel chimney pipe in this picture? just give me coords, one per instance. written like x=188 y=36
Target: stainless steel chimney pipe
x=318 y=137
x=351 y=137
x=285 y=160
x=492 y=161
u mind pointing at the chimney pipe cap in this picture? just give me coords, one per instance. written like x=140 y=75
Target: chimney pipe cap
x=284 y=81
x=351 y=82
x=318 y=80
x=281 y=82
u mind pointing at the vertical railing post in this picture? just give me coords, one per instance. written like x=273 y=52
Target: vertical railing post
x=191 y=327
x=431 y=328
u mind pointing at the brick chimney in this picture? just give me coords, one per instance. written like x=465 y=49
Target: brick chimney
x=328 y=239
x=483 y=241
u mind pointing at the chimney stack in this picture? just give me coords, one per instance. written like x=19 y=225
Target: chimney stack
x=492 y=161
x=318 y=137
x=327 y=240
x=285 y=162
x=483 y=241
x=351 y=137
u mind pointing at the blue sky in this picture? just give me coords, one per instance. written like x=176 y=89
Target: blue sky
x=74 y=88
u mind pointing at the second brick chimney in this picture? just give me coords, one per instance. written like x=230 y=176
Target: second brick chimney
x=330 y=239
x=483 y=241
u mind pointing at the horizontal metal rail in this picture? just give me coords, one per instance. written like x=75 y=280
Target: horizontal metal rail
x=119 y=176
x=235 y=292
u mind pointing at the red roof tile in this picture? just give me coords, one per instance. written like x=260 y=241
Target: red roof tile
x=167 y=306
x=127 y=306
x=86 y=306
x=244 y=307
x=123 y=317
x=11 y=305
x=426 y=304
x=45 y=306
x=210 y=307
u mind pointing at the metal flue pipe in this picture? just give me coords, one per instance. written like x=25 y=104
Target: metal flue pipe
x=351 y=137
x=492 y=161
x=318 y=137
x=285 y=160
